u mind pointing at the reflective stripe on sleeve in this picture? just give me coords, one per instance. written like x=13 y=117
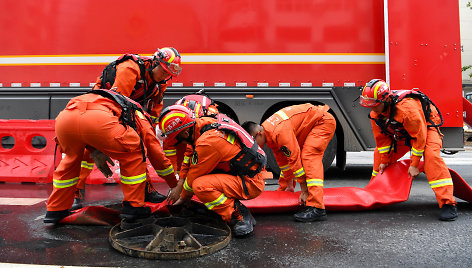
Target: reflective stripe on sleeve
x=165 y=172
x=220 y=200
x=384 y=149
x=374 y=173
x=65 y=183
x=87 y=165
x=284 y=168
x=133 y=179
x=299 y=172
x=441 y=183
x=417 y=152
x=282 y=115
x=170 y=152
x=314 y=182
x=186 y=187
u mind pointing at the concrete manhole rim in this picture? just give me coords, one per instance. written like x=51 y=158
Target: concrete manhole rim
x=221 y=230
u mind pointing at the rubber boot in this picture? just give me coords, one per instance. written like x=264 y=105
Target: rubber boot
x=78 y=199
x=133 y=217
x=56 y=216
x=311 y=214
x=242 y=222
x=151 y=195
x=448 y=213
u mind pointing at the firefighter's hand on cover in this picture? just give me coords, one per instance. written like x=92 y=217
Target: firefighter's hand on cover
x=413 y=171
x=101 y=160
x=382 y=167
x=175 y=192
x=303 y=197
x=181 y=201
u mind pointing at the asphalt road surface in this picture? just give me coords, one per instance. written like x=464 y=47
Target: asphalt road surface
x=406 y=234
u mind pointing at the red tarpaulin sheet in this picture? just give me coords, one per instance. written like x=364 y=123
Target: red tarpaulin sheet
x=393 y=186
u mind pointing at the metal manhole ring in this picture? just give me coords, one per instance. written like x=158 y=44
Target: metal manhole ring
x=172 y=238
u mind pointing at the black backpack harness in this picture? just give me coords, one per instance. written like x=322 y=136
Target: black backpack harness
x=250 y=155
x=394 y=129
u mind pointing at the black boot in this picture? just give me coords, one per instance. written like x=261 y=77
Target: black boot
x=79 y=197
x=151 y=195
x=311 y=214
x=242 y=222
x=135 y=216
x=55 y=216
x=448 y=213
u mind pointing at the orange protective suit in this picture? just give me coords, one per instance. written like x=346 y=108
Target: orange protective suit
x=208 y=174
x=127 y=75
x=425 y=142
x=92 y=121
x=298 y=135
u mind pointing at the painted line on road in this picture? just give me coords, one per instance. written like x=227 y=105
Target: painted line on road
x=19 y=265
x=13 y=201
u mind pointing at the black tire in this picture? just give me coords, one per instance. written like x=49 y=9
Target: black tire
x=330 y=153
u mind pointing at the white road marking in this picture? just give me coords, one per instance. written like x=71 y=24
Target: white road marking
x=14 y=201
x=19 y=265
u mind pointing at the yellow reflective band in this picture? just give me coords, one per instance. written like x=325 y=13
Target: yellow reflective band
x=383 y=150
x=86 y=164
x=282 y=115
x=165 y=172
x=376 y=88
x=186 y=187
x=282 y=174
x=441 y=183
x=374 y=173
x=220 y=200
x=186 y=159
x=417 y=152
x=314 y=182
x=299 y=172
x=65 y=183
x=133 y=179
x=170 y=152
x=171 y=58
x=284 y=168
x=140 y=114
x=230 y=139
x=169 y=117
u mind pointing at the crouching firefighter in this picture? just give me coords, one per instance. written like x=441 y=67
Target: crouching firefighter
x=144 y=80
x=403 y=121
x=113 y=124
x=225 y=166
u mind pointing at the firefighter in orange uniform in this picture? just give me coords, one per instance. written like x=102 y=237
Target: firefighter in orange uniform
x=298 y=135
x=400 y=124
x=210 y=176
x=201 y=105
x=143 y=79
x=98 y=121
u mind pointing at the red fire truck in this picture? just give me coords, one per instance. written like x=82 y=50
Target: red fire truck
x=253 y=57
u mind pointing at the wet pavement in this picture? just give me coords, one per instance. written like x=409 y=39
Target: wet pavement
x=407 y=234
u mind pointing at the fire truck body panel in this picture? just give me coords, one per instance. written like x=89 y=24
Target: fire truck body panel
x=253 y=57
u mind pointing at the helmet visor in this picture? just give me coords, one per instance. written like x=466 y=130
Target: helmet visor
x=172 y=68
x=368 y=102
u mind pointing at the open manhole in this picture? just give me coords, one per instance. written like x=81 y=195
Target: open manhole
x=172 y=237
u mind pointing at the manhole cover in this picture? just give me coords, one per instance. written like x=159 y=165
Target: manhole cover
x=173 y=238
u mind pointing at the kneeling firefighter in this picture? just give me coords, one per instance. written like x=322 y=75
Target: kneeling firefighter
x=225 y=166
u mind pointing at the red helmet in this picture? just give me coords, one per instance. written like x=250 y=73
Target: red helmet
x=173 y=120
x=169 y=58
x=374 y=92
